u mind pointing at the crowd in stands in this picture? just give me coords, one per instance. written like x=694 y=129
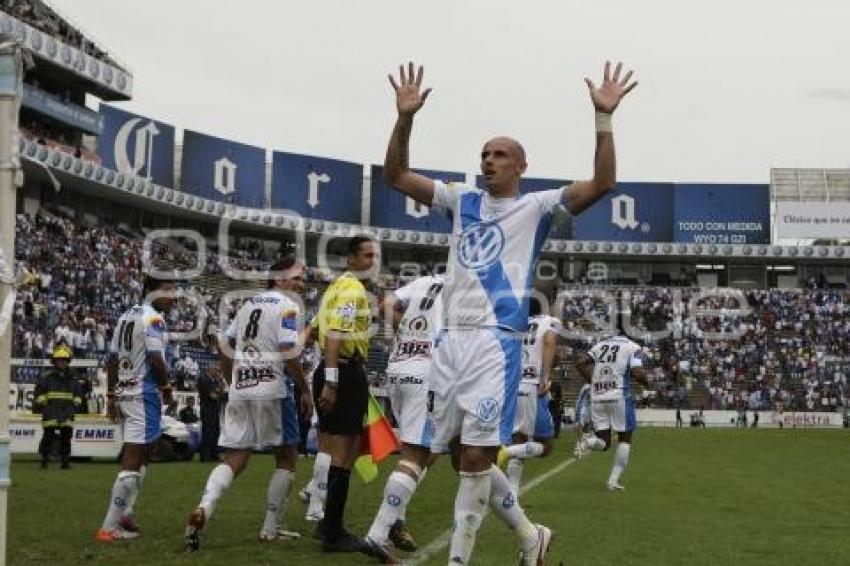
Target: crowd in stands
x=40 y=16
x=724 y=349
x=757 y=350
x=56 y=137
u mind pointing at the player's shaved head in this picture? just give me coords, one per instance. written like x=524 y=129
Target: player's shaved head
x=513 y=146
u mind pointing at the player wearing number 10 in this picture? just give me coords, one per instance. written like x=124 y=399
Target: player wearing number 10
x=260 y=341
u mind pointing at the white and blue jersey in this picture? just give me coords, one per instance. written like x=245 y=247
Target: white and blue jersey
x=137 y=338
x=612 y=405
x=478 y=356
x=495 y=244
x=612 y=361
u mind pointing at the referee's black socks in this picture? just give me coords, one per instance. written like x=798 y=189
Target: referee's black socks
x=338 y=479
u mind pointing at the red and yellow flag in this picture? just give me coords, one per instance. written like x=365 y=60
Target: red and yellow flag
x=378 y=442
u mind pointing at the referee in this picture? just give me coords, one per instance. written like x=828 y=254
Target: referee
x=339 y=383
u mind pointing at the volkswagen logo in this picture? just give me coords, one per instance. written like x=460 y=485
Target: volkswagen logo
x=480 y=245
x=488 y=410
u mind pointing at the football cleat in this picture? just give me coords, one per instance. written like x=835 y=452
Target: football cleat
x=192 y=536
x=380 y=551
x=401 y=538
x=536 y=555
x=314 y=516
x=286 y=534
x=615 y=487
x=106 y=535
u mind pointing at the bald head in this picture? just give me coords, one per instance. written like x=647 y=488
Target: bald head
x=502 y=164
x=510 y=144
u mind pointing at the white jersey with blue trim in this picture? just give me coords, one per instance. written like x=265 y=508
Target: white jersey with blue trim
x=495 y=244
x=532 y=347
x=138 y=335
x=419 y=327
x=612 y=361
x=263 y=325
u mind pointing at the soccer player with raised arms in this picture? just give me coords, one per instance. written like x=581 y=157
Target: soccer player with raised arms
x=496 y=239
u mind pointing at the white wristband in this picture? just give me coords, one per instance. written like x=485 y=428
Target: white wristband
x=603 y=122
x=332 y=376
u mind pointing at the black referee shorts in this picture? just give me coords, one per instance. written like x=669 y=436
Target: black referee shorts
x=352 y=399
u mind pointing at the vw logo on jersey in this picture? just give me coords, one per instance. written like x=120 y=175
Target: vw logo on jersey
x=418 y=324
x=488 y=410
x=480 y=245
x=606 y=371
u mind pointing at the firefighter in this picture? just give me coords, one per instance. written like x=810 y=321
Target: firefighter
x=57 y=399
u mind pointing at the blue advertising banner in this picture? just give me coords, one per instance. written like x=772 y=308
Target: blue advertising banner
x=317 y=187
x=634 y=212
x=392 y=209
x=66 y=112
x=136 y=145
x=224 y=170
x=562 y=223
x=721 y=214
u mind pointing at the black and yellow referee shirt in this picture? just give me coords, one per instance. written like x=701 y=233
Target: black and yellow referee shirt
x=345 y=308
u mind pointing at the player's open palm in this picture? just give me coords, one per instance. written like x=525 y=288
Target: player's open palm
x=409 y=96
x=607 y=96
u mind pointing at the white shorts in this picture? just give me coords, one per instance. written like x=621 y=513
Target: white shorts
x=474 y=380
x=409 y=402
x=526 y=409
x=142 y=416
x=614 y=414
x=252 y=424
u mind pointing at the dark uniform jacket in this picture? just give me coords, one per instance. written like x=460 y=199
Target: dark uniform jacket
x=57 y=398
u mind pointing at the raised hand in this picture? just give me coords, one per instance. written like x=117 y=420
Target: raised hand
x=608 y=95
x=408 y=97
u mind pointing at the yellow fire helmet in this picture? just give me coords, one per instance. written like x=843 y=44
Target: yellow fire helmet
x=62 y=352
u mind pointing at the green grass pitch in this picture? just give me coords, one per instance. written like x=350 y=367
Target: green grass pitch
x=694 y=497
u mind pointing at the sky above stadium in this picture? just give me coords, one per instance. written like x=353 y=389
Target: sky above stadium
x=728 y=89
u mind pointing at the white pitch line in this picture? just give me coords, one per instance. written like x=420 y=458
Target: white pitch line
x=443 y=540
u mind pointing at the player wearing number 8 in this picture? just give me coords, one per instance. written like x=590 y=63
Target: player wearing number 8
x=259 y=343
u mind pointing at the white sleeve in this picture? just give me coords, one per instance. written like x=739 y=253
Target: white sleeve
x=548 y=200
x=445 y=197
x=231 y=328
x=288 y=331
x=636 y=359
x=404 y=294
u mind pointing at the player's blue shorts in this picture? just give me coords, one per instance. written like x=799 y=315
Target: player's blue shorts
x=543 y=426
x=291 y=428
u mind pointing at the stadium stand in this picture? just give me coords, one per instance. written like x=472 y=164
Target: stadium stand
x=79 y=251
